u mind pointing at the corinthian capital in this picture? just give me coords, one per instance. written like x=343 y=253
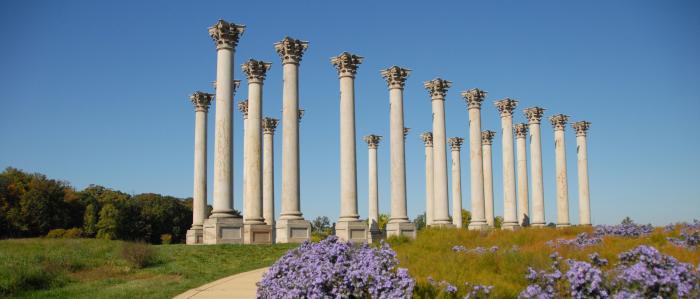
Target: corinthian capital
x=474 y=97
x=405 y=132
x=256 y=70
x=269 y=124
x=300 y=114
x=506 y=106
x=201 y=100
x=291 y=50
x=534 y=114
x=437 y=88
x=243 y=107
x=372 y=140
x=395 y=76
x=455 y=142
x=226 y=34
x=520 y=130
x=346 y=64
x=427 y=138
x=487 y=137
x=559 y=121
x=581 y=127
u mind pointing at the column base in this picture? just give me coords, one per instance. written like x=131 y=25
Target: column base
x=351 y=231
x=292 y=231
x=406 y=229
x=563 y=225
x=195 y=236
x=480 y=225
x=442 y=225
x=227 y=230
x=510 y=225
x=257 y=234
x=538 y=224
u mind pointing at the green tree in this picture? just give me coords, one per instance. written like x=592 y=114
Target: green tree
x=466 y=218
x=108 y=224
x=382 y=221
x=497 y=222
x=90 y=220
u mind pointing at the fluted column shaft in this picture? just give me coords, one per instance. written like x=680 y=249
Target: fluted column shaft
x=534 y=116
x=559 y=122
x=523 y=205
x=510 y=218
x=223 y=144
x=456 y=182
x=291 y=204
x=348 y=162
x=429 y=202
x=486 y=143
x=474 y=97
x=441 y=212
x=584 y=202
x=269 y=172
x=399 y=212
x=373 y=216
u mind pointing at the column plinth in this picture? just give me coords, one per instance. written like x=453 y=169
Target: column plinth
x=584 y=201
x=201 y=101
x=474 y=97
x=375 y=234
x=256 y=231
x=559 y=124
x=510 y=216
x=223 y=226
x=291 y=227
x=534 y=116
x=486 y=143
x=455 y=145
x=349 y=227
x=427 y=138
x=520 y=131
x=438 y=90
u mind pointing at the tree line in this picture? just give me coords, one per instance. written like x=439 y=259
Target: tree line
x=32 y=205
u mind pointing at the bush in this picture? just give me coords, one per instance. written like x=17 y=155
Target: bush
x=166 y=239
x=139 y=255
x=56 y=233
x=336 y=269
x=73 y=233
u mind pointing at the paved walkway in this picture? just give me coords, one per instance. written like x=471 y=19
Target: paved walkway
x=239 y=286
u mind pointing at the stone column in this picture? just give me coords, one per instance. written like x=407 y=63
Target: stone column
x=375 y=234
x=510 y=216
x=474 y=97
x=255 y=229
x=268 y=126
x=456 y=144
x=201 y=101
x=428 y=140
x=534 y=115
x=398 y=222
x=223 y=225
x=584 y=201
x=243 y=107
x=520 y=131
x=291 y=226
x=349 y=226
x=486 y=142
x=559 y=123
x=438 y=90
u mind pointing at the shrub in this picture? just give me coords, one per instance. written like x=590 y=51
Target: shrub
x=139 y=255
x=73 y=233
x=56 y=233
x=336 y=269
x=166 y=239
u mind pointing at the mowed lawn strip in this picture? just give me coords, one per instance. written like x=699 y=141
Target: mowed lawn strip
x=90 y=268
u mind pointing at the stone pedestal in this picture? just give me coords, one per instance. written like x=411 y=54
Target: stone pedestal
x=223 y=230
x=292 y=230
x=406 y=229
x=375 y=235
x=353 y=231
x=195 y=236
x=257 y=234
x=474 y=97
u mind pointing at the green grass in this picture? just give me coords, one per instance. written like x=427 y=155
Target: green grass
x=90 y=268
x=431 y=255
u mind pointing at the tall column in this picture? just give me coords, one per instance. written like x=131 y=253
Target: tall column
x=375 y=233
x=349 y=227
x=559 y=123
x=506 y=107
x=584 y=201
x=456 y=144
x=255 y=229
x=268 y=126
x=398 y=222
x=474 y=97
x=486 y=142
x=201 y=103
x=291 y=226
x=428 y=140
x=520 y=131
x=243 y=107
x=534 y=116
x=218 y=229
x=438 y=90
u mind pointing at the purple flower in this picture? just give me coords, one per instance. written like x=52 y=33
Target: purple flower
x=586 y=281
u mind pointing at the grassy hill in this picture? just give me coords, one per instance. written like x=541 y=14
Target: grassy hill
x=91 y=268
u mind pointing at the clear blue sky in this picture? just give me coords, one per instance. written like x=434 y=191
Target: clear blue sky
x=96 y=93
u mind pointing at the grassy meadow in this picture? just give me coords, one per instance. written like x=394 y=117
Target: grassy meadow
x=93 y=268
x=431 y=255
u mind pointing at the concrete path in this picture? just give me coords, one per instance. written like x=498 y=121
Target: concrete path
x=239 y=286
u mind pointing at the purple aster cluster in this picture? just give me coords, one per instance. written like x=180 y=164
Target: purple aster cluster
x=336 y=269
x=581 y=241
x=585 y=281
x=477 y=291
x=476 y=250
x=543 y=284
x=625 y=229
x=689 y=235
x=644 y=272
